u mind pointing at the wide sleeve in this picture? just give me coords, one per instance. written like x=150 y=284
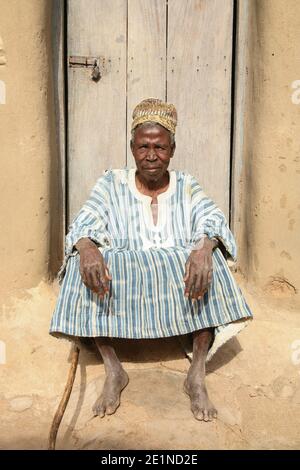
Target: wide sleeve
x=208 y=219
x=91 y=221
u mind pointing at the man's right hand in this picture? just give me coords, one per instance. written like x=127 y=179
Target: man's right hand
x=93 y=270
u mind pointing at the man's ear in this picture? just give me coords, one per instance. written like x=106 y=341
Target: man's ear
x=131 y=145
x=173 y=149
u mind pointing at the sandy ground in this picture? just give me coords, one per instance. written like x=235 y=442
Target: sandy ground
x=254 y=380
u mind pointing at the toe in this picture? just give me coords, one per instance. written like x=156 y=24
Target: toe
x=99 y=407
x=205 y=415
x=195 y=409
x=99 y=410
x=199 y=415
x=111 y=408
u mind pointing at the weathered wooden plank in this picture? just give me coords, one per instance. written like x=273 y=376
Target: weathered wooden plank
x=245 y=37
x=146 y=55
x=58 y=161
x=199 y=84
x=97 y=110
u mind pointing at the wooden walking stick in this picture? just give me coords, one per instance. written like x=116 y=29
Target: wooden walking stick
x=65 y=398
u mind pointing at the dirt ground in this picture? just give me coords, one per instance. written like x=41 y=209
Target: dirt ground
x=254 y=381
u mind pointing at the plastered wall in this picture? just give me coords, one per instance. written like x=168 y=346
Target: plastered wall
x=270 y=185
x=28 y=204
x=30 y=207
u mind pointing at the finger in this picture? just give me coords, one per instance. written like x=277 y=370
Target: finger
x=103 y=287
x=187 y=271
x=197 y=288
x=210 y=276
x=203 y=284
x=197 y=291
x=104 y=280
x=204 y=280
x=189 y=284
x=83 y=277
x=95 y=280
x=107 y=274
x=193 y=286
x=207 y=276
x=89 y=279
x=101 y=291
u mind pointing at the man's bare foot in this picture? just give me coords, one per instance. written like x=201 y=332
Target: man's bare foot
x=201 y=405
x=109 y=400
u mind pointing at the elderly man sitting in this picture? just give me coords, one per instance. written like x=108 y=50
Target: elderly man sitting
x=146 y=258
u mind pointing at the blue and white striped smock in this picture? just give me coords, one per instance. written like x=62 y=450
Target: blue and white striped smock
x=147 y=263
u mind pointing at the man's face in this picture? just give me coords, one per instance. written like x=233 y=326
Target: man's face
x=152 y=151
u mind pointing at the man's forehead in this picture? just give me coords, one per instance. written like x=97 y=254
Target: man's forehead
x=153 y=132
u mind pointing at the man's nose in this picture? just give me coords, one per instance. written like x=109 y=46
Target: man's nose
x=151 y=155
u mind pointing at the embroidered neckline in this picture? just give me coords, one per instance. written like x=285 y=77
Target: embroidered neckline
x=143 y=197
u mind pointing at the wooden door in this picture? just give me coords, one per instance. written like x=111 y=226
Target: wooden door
x=178 y=50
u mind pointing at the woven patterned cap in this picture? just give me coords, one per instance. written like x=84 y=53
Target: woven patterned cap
x=154 y=110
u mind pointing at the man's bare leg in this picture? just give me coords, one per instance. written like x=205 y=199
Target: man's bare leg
x=194 y=384
x=116 y=379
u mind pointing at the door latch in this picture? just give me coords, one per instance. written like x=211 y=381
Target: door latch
x=92 y=62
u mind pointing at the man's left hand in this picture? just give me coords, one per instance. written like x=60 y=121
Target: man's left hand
x=198 y=269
